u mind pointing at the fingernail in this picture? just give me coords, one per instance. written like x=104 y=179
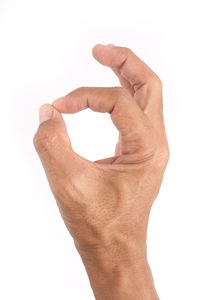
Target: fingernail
x=45 y=113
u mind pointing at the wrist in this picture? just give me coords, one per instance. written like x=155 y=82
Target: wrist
x=119 y=271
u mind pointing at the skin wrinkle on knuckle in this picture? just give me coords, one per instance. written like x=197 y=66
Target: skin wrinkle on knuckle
x=80 y=89
x=117 y=95
x=153 y=82
x=165 y=155
x=150 y=151
x=161 y=158
x=120 y=92
x=124 y=93
x=127 y=52
x=43 y=141
x=156 y=81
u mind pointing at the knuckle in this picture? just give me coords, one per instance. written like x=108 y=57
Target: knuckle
x=127 y=50
x=121 y=92
x=167 y=154
x=36 y=140
x=43 y=140
x=80 y=89
x=156 y=81
x=164 y=155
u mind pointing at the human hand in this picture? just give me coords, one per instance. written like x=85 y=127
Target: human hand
x=106 y=204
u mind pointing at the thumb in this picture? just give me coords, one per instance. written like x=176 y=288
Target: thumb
x=53 y=146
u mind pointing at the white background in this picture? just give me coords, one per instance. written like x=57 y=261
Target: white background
x=45 y=52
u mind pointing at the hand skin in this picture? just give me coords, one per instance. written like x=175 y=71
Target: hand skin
x=106 y=204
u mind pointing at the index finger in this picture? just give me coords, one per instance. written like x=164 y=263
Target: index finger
x=125 y=113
